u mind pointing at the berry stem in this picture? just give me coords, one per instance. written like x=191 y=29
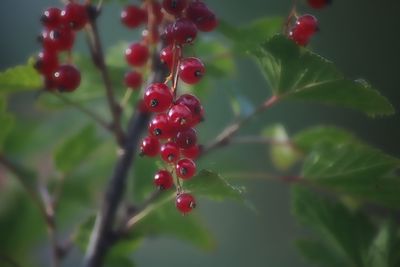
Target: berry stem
x=224 y=138
x=97 y=54
x=292 y=14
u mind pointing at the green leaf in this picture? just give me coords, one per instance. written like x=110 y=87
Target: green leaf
x=346 y=233
x=296 y=73
x=76 y=149
x=283 y=155
x=6 y=122
x=248 y=37
x=20 y=78
x=166 y=220
x=213 y=186
x=380 y=249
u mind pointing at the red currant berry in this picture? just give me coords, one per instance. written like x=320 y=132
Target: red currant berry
x=180 y=117
x=75 y=15
x=163 y=180
x=46 y=63
x=150 y=146
x=318 y=4
x=191 y=70
x=186 y=139
x=170 y=152
x=167 y=55
x=132 y=16
x=60 y=39
x=158 y=97
x=133 y=80
x=185 y=203
x=202 y=16
x=184 y=31
x=174 y=7
x=160 y=127
x=137 y=54
x=306 y=26
x=192 y=153
x=51 y=17
x=67 y=78
x=193 y=103
x=185 y=168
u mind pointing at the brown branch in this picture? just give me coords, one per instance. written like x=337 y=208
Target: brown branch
x=96 y=51
x=103 y=235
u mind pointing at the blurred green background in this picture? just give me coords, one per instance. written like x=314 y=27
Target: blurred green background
x=361 y=37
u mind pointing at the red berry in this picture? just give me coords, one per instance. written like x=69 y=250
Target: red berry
x=150 y=146
x=185 y=168
x=168 y=34
x=174 y=7
x=185 y=202
x=163 y=180
x=132 y=16
x=67 y=78
x=167 y=55
x=47 y=62
x=186 y=139
x=318 y=4
x=184 y=31
x=137 y=54
x=180 y=117
x=192 y=153
x=51 y=17
x=306 y=26
x=202 y=16
x=75 y=16
x=160 y=127
x=59 y=39
x=170 y=152
x=158 y=97
x=133 y=80
x=191 y=70
x=193 y=103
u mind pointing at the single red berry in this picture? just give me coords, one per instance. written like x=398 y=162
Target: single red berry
x=186 y=139
x=180 y=117
x=47 y=62
x=160 y=127
x=306 y=26
x=185 y=202
x=184 y=31
x=51 y=17
x=318 y=4
x=191 y=70
x=158 y=97
x=133 y=80
x=192 y=152
x=185 y=168
x=132 y=16
x=202 y=16
x=67 y=78
x=137 y=54
x=150 y=146
x=174 y=7
x=170 y=152
x=75 y=16
x=167 y=55
x=193 y=103
x=163 y=180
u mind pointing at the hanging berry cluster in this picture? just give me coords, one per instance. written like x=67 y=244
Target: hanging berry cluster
x=58 y=36
x=306 y=26
x=171 y=131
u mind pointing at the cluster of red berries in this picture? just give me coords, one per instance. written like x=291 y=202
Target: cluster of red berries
x=307 y=25
x=58 y=36
x=172 y=133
